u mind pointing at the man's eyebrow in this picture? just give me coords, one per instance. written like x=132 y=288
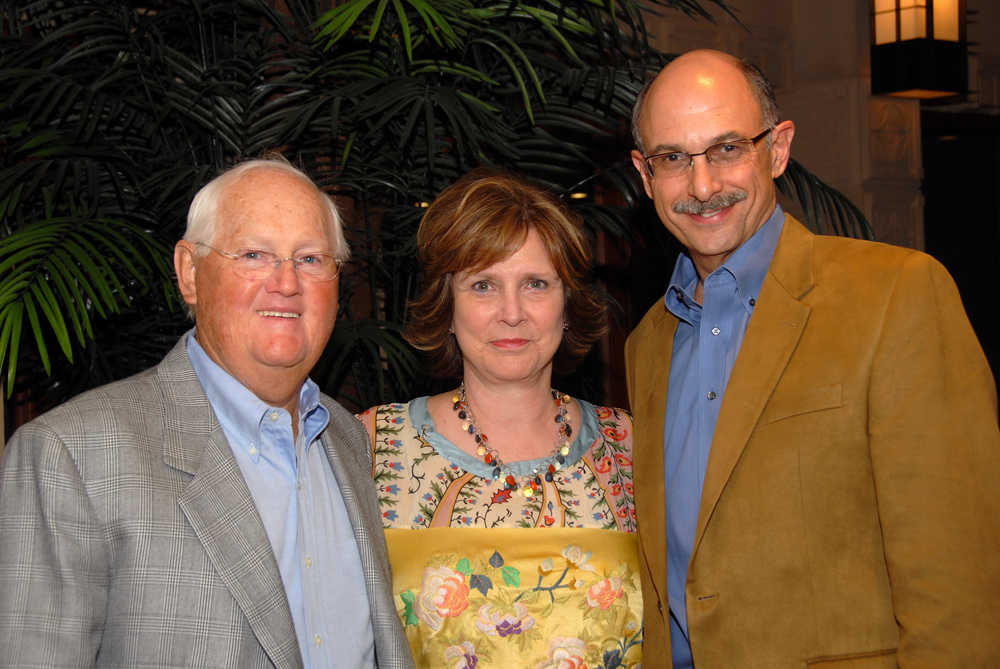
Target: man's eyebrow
x=718 y=139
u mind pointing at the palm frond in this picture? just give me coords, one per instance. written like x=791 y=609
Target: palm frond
x=827 y=210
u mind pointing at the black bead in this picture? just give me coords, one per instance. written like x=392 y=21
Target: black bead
x=496 y=473
x=462 y=415
x=548 y=476
x=569 y=430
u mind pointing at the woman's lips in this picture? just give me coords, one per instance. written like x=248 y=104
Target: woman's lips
x=509 y=343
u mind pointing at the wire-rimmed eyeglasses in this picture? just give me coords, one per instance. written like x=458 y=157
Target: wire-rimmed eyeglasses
x=255 y=264
x=724 y=154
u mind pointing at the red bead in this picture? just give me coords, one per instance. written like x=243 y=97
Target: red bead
x=552 y=469
x=534 y=485
x=489 y=458
x=510 y=479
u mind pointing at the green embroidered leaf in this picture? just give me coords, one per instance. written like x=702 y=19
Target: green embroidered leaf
x=547 y=611
x=464 y=567
x=409 y=598
x=511 y=576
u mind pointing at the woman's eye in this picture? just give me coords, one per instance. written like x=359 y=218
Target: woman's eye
x=481 y=285
x=537 y=284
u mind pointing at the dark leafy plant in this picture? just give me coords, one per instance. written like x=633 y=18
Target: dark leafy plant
x=112 y=116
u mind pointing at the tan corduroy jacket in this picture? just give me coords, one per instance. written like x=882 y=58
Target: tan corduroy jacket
x=851 y=506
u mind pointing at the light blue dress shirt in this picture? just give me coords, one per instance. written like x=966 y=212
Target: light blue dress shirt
x=299 y=502
x=706 y=344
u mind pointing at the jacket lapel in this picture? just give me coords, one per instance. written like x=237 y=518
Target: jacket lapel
x=772 y=335
x=218 y=505
x=649 y=364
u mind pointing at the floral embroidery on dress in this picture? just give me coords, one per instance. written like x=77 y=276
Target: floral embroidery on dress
x=594 y=491
x=563 y=598
x=489 y=601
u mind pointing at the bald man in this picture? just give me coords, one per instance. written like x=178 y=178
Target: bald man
x=817 y=466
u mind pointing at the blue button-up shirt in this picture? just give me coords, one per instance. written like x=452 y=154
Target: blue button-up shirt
x=706 y=344
x=303 y=512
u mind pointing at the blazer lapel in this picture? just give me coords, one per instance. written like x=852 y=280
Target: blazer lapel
x=649 y=363
x=346 y=445
x=775 y=328
x=221 y=511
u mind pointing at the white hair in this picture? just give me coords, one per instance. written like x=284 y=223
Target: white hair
x=202 y=223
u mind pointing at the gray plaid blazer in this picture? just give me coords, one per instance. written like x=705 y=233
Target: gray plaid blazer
x=128 y=537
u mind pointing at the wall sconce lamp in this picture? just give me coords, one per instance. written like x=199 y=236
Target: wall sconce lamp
x=918 y=48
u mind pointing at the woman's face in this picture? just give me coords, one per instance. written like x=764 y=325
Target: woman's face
x=508 y=318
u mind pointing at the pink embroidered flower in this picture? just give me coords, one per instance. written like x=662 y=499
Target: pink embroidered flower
x=605 y=593
x=495 y=623
x=443 y=594
x=466 y=654
x=616 y=490
x=628 y=488
x=604 y=413
x=603 y=465
x=564 y=653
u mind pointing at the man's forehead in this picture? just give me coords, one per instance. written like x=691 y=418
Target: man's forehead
x=706 y=101
x=265 y=206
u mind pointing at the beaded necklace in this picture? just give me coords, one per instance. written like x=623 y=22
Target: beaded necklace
x=533 y=481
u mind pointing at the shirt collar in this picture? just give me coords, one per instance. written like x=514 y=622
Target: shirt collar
x=240 y=412
x=748 y=265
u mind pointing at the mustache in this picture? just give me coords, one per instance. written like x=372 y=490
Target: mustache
x=720 y=201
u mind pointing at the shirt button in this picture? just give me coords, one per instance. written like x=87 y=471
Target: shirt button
x=253 y=451
x=309 y=561
x=660 y=605
x=319 y=641
x=711 y=394
x=752 y=301
x=300 y=485
x=274 y=416
x=716 y=330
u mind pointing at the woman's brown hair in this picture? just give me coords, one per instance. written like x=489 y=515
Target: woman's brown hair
x=482 y=219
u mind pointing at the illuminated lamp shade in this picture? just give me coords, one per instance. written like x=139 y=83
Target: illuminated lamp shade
x=918 y=48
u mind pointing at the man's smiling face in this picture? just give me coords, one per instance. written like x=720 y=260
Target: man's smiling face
x=253 y=329
x=699 y=100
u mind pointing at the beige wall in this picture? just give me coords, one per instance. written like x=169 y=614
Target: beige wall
x=816 y=55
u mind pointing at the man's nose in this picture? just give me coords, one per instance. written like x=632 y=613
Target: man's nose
x=704 y=179
x=285 y=278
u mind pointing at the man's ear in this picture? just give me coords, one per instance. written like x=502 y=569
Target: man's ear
x=640 y=164
x=184 y=266
x=781 y=147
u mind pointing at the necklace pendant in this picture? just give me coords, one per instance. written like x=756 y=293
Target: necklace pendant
x=564 y=450
x=496 y=474
x=527 y=491
x=481 y=450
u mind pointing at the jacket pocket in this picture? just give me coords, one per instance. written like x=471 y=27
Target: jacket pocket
x=781 y=407
x=881 y=659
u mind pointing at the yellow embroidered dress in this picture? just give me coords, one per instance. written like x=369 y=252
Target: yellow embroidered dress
x=484 y=577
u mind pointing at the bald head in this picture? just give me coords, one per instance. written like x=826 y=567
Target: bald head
x=704 y=103
x=707 y=70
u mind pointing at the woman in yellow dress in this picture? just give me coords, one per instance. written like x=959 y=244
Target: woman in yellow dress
x=508 y=505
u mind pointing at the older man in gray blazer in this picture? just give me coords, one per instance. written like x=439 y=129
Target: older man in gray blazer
x=217 y=510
